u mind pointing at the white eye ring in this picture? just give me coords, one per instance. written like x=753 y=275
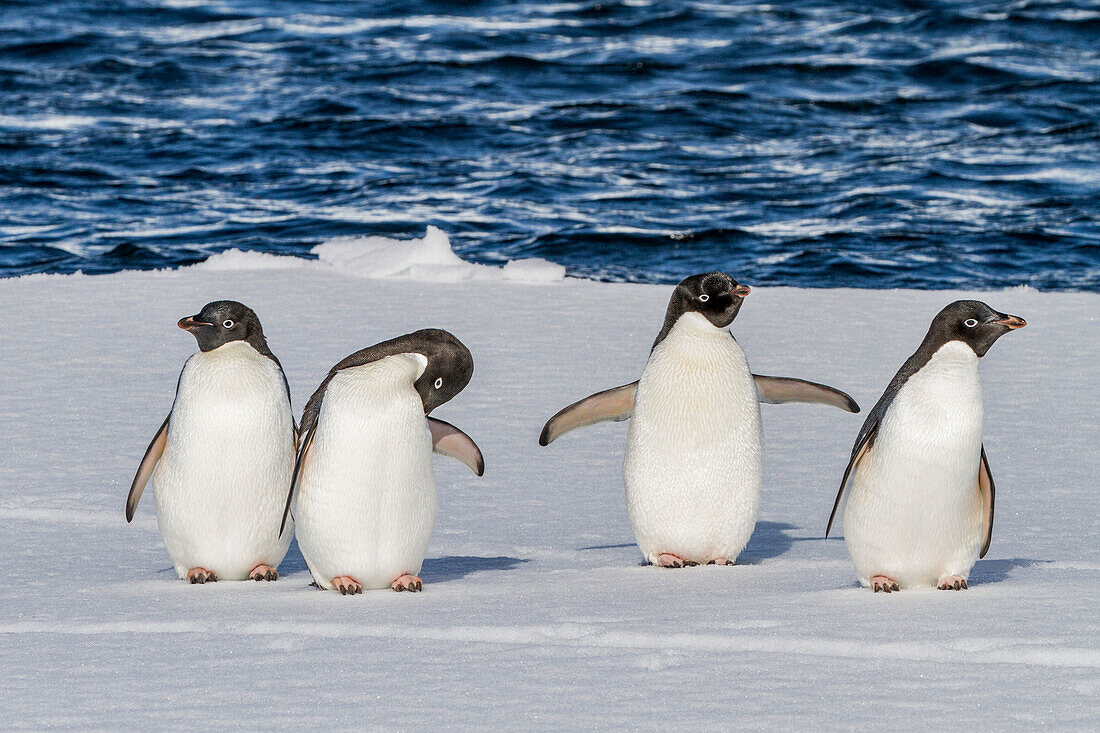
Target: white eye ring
x=970 y=322
x=704 y=298
x=439 y=382
x=228 y=323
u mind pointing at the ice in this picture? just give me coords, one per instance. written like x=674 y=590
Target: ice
x=534 y=270
x=536 y=612
x=430 y=258
x=237 y=259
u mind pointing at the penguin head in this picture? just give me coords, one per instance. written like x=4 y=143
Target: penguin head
x=450 y=367
x=221 y=322
x=714 y=295
x=974 y=323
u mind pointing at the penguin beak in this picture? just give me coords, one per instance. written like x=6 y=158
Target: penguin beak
x=1013 y=322
x=189 y=322
x=741 y=291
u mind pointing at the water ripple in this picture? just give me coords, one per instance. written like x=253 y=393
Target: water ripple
x=870 y=144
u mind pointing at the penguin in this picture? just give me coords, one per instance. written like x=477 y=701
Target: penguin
x=363 y=489
x=917 y=490
x=222 y=460
x=693 y=466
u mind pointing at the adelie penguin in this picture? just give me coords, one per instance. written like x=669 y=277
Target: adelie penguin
x=693 y=467
x=224 y=455
x=363 y=494
x=918 y=490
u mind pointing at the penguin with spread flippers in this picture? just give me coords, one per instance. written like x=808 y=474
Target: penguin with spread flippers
x=693 y=466
x=222 y=460
x=363 y=494
x=918 y=492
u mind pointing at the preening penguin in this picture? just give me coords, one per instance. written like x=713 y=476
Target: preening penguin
x=918 y=490
x=693 y=467
x=221 y=462
x=363 y=492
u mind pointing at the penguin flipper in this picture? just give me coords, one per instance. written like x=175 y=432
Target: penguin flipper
x=299 y=462
x=863 y=445
x=611 y=405
x=145 y=469
x=777 y=390
x=988 y=491
x=447 y=440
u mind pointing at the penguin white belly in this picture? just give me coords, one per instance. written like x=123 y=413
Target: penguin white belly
x=693 y=466
x=222 y=480
x=914 y=510
x=365 y=505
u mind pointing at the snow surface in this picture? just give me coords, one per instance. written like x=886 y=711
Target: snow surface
x=536 y=611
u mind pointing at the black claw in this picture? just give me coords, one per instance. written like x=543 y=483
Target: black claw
x=895 y=587
x=343 y=590
x=964 y=585
x=958 y=585
x=194 y=580
x=690 y=564
x=877 y=587
x=399 y=588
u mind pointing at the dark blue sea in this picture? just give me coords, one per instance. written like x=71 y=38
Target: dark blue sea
x=871 y=144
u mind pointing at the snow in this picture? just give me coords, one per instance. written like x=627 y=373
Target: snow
x=536 y=612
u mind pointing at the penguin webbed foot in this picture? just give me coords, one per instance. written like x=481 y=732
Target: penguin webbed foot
x=347 y=585
x=408 y=582
x=884 y=584
x=952 y=582
x=264 y=572
x=668 y=560
x=201 y=576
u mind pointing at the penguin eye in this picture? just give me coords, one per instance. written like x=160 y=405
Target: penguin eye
x=228 y=323
x=439 y=382
x=970 y=322
x=704 y=298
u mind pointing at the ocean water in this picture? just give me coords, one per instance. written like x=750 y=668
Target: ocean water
x=869 y=144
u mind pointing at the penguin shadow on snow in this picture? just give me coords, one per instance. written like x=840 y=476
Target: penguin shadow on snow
x=995 y=571
x=293 y=562
x=454 y=567
x=986 y=571
x=769 y=540
x=434 y=569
